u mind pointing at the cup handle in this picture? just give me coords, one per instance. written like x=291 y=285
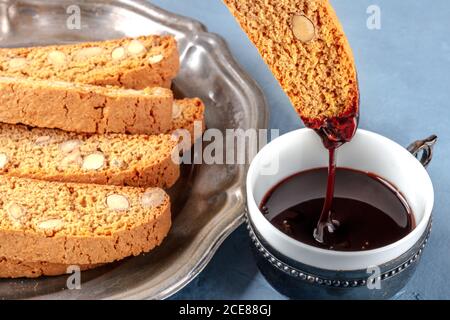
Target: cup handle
x=424 y=149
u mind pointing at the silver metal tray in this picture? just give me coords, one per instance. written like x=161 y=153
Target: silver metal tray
x=208 y=201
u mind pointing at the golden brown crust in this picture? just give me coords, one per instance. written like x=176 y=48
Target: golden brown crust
x=93 y=63
x=318 y=75
x=79 y=223
x=85 y=108
x=20 y=269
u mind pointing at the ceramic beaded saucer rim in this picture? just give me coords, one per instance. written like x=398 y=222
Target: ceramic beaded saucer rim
x=329 y=282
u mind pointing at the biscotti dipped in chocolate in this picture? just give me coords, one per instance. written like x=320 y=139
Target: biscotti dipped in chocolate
x=80 y=224
x=115 y=159
x=305 y=46
x=85 y=108
x=147 y=61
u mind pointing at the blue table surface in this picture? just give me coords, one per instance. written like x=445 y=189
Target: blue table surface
x=404 y=75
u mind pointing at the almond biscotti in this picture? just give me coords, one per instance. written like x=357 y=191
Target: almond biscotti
x=147 y=61
x=69 y=223
x=187 y=114
x=305 y=46
x=85 y=108
x=115 y=159
x=19 y=269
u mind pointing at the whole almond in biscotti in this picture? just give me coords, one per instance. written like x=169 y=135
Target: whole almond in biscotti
x=135 y=47
x=152 y=198
x=15 y=211
x=118 y=53
x=57 y=58
x=94 y=161
x=42 y=140
x=117 y=202
x=69 y=145
x=303 y=28
x=17 y=63
x=155 y=59
x=305 y=46
x=3 y=160
x=176 y=110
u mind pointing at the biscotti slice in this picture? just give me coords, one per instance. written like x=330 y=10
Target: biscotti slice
x=85 y=108
x=305 y=46
x=69 y=223
x=19 y=269
x=115 y=159
x=147 y=61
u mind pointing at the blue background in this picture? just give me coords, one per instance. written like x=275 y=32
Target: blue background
x=404 y=73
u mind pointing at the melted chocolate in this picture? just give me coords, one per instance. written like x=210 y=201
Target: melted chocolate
x=366 y=213
x=334 y=133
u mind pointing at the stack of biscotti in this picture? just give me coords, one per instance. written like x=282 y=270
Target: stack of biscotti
x=88 y=138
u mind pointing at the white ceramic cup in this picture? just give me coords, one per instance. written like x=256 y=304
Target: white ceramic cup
x=302 y=150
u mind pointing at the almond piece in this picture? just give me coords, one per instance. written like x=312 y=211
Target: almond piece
x=51 y=226
x=69 y=146
x=73 y=158
x=42 y=140
x=117 y=202
x=303 y=28
x=118 y=164
x=158 y=91
x=135 y=47
x=15 y=211
x=4 y=159
x=176 y=110
x=17 y=63
x=56 y=58
x=152 y=198
x=87 y=53
x=94 y=161
x=118 y=53
x=155 y=59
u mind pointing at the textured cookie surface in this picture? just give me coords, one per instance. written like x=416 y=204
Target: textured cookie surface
x=68 y=223
x=115 y=159
x=189 y=114
x=304 y=45
x=19 y=269
x=85 y=108
x=146 y=61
